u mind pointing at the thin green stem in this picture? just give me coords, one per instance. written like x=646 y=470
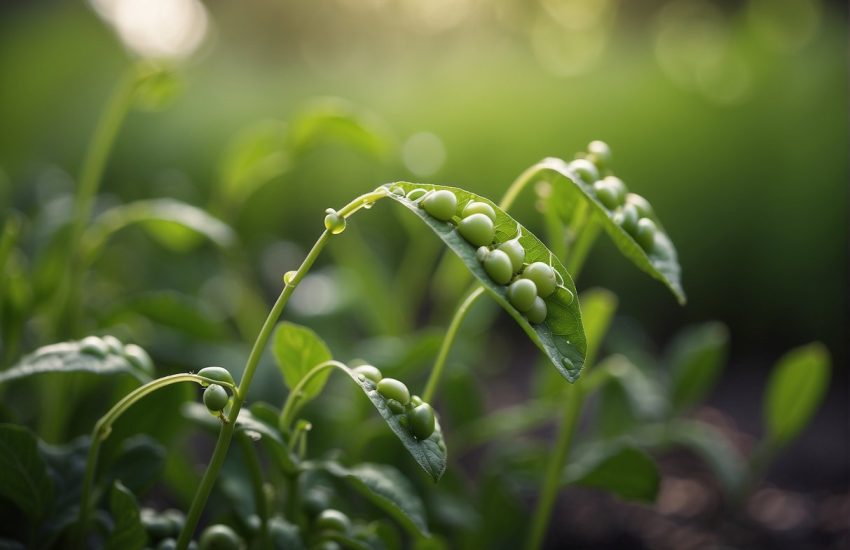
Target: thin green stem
x=255 y=474
x=290 y=406
x=225 y=435
x=517 y=186
x=103 y=428
x=448 y=340
x=574 y=399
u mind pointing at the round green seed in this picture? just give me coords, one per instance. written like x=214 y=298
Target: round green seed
x=585 y=170
x=477 y=229
x=422 y=421
x=538 y=311
x=440 y=204
x=139 y=358
x=215 y=398
x=543 y=276
x=334 y=222
x=515 y=252
x=219 y=537
x=498 y=266
x=606 y=194
x=333 y=520
x=219 y=374
x=645 y=234
x=416 y=194
x=618 y=186
x=394 y=389
x=599 y=153
x=92 y=345
x=522 y=293
x=627 y=218
x=415 y=400
x=478 y=207
x=114 y=344
x=643 y=207
x=370 y=372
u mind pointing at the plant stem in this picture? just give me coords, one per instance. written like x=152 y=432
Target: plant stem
x=517 y=186
x=226 y=433
x=289 y=407
x=448 y=340
x=255 y=473
x=574 y=399
x=103 y=427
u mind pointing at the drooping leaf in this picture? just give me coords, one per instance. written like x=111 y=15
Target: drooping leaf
x=255 y=156
x=387 y=488
x=644 y=396
x=297 y=350
x=333 y=118
x=695 y=361
x=661 y=262
x=795 y=390
x=66 y=465
x=561 y=336
x=706 y=442
x=175 y=224
x=72 y=357
x=139 y=463
x=128 y=532
x=621 y=469
x=23 y=474
x=252 y=426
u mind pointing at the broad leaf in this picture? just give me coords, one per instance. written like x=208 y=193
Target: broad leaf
x=175 y=224
x=252 y=426
x=139 y=463
x=643 y=394
x=333 y=118
x=66 y=465
x=387 y=488
x=23 y=474
x=89 y=355
x=661 y=262
x=297 y=350
x=624 y=470
x=561 y=336
x=128 y=532
x=696 y=359
x=795 y=390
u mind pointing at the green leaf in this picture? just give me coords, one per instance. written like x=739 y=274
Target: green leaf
x=252 y=426
x=387 y=488
x=175 y=224
x=128 y=533
x=705 y=441
x=23 y=474
x=561 y=336
x=139 y=464
x=285 y=535
x=68 y=357
x=696 y=359
x=254 y=157
x=661 y=263
x=297 y=350
x=333 y=118
x=621 y=469
x=644 y=396
x=156 y=87
x=795 y=390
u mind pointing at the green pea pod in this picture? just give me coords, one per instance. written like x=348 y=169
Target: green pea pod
x=561 y=335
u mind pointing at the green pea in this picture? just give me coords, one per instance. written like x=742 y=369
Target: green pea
x=415 y=400
x=440 y=204
x=522 y=293
x=543 y=276
x=167 y=544
x=139 y=358
x=422 y=421
x=416 y=194
x=334 y=222
x=618 y=186
x=498 y=266
x=219 y=537
x=176 y=520
x=157 y=527
x=333 y=520
x=482 y=253
x=585 y=170
x=398 y=191
x=515 y=252
x=538 y=311
x=606 y=194
x=478 y=207
x=114 y=344
x=643 y=207
x=394 y=389
x=395 y=407
x=370 y=372
x=477 y=229
x=219 y=374
x=599 y=153
x=215 y=398
x=92 y=345
x=627 y=218
x=645 y=234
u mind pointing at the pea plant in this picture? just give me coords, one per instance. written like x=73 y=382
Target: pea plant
x=284 y=493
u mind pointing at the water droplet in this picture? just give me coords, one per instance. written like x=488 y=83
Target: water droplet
x=289 y=276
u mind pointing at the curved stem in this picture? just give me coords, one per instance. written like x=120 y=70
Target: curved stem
x=448 y=340
x=574 y=399
x=226 y=433
x=517 y=186
x=289 y=407
x=103 y=427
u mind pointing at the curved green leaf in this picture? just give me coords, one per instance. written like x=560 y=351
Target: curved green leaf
x=795 y=390
x=128 y=533
x=176 y=224
x=387 y=488
x=255 y=156
x=661 y=262
x=561 y=336
x=333 y=118
x=622 y=469
x=23 y=474
x=696 y=359
x=297 y=350
x=70 y=357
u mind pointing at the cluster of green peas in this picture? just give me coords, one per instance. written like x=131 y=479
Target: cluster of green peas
x=110 y=345
x=416 y=415
x=528 y=284
x=630 y=211
x=216 y=397
x=164 y=528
